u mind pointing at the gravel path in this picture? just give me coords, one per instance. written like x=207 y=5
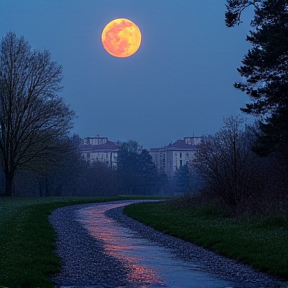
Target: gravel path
x=84 y=263
x=83 y=259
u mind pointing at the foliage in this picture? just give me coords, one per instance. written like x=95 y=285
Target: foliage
x=33 y=117
x=68 y=175
x=235 y=9
x=60 y=174
x=264 y=69
x=136 y=170
x=229 y=170
x=147 y=174
x=226 y=163
x=272 y=138
x=163 y=184
x=182 y=176
x=202 y=201
x=249 y=240
x=97 y=179
x=264 y=74
x=265 y=65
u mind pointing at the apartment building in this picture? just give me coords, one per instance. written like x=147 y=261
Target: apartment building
x=99 y=149
x=169 y=158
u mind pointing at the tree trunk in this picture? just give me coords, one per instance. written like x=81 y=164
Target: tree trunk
x=9 y=177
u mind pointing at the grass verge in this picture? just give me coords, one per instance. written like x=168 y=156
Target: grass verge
x=27 y=240
x=259 y=242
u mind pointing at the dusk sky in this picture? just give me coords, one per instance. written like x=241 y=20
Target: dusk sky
x=179 y=83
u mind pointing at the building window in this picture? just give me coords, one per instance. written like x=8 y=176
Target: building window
x=180 y=155
x=180 y=162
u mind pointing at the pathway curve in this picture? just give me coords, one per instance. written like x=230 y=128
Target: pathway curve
x=98 y=252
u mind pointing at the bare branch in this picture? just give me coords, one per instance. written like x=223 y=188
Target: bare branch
x=32 y=113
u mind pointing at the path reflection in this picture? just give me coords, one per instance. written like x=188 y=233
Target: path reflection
x=115 y=243
x=149 y=264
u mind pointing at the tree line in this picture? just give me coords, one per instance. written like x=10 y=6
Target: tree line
x=70 y=175
x=243 y=166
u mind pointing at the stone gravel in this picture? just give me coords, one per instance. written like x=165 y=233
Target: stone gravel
x=84 y=263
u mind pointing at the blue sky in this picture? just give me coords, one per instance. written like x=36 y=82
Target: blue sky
x=179 y=83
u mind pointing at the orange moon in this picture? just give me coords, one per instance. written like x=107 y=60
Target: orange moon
x=121 y=38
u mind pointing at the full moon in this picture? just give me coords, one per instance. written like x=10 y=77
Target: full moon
x=121 y=38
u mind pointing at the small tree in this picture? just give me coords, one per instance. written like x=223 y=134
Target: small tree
x=226 y=162
x=32 y=115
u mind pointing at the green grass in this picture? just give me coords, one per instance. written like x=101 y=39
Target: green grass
x=259 y=242
x=27 y=240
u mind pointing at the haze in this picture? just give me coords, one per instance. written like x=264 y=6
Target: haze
x=179 y=83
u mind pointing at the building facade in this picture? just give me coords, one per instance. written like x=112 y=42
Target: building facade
x=169 y=158
x=99 y=149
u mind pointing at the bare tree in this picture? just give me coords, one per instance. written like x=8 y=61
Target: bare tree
x=32 y=114
x=226 y=163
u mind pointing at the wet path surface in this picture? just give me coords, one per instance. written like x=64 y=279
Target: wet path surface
x=150 y=265
x=101 y=248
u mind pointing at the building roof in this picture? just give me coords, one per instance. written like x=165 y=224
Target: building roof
x=162 y=149
x=179 y=145
x=109 y=146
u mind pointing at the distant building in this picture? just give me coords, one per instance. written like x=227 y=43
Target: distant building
x=99 y=149
x=169 y=158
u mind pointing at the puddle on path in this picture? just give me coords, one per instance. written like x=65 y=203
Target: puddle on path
x=150 y=265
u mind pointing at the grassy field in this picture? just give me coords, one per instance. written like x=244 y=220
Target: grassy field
x=260 y=242
x=27 y=240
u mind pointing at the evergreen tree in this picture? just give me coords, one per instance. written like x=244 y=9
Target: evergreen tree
x=182 y=179
x=264 y=69
x=137 y=172
x=127 y=166
x=147 y=173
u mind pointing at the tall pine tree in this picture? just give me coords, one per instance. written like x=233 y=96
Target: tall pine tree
x=264 y=69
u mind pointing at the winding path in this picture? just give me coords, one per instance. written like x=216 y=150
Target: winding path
x=97 y=251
